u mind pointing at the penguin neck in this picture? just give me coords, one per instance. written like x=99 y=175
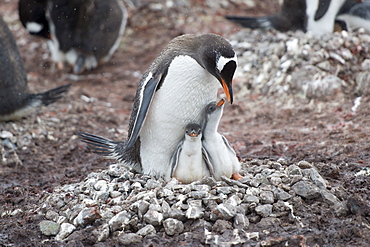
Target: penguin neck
x=213 y=121
x=192 y=144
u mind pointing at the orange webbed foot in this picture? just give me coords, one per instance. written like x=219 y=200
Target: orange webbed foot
x=236 y=176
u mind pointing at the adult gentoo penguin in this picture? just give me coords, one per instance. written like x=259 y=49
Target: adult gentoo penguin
x=82 y=33
x=172 y=93
x=190 y=162
x=316 y=16
x=219 y=150
x=15 y=99
x=321 y=15
x=290 y=17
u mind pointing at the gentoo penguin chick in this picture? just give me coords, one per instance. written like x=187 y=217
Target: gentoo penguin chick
x=355 y=15
x=15 y=99
x=82 y=33
x=190 y=162
x=219 y=150
x=316 y=16
x=172 y=93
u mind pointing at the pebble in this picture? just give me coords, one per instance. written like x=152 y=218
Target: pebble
x=173 y=226
x=195 y=210
x=306 y=189
x=49 y=228
x=153 y=217
x=264 y=210
x=86 y=216
x=146 y=230
x=65 y=230
x=129 y=239
x=240 y=221
x=225 y=211
x=119 y=221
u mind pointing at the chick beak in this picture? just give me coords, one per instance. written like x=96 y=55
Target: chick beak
x=220 y=103
x=193 y=134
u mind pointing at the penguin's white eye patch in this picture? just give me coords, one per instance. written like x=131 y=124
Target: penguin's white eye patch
x=224 y=60
x=34 y=27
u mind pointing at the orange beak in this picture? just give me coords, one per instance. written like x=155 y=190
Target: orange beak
x=228 y=90
x=220 y=103
x=193 y=134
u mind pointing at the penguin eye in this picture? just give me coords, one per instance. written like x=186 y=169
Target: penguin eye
x=212 y=108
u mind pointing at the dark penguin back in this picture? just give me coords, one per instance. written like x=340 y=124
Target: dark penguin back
x=90 y=26
x=13 y=77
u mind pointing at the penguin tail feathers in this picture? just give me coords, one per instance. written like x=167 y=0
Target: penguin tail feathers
x=101 y=146
x=251 y=22
x=48 y=97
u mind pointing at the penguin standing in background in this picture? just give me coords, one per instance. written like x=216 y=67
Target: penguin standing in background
x=315 y=16
x=190 y=162
x=321 y=15
x=172 y=93
x=82 y=33
x=32 y=15
x=355 y=15
x=291 y=17
x=221 y=154
x=15 y=99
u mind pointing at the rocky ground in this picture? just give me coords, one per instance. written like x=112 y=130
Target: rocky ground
x=300 y=124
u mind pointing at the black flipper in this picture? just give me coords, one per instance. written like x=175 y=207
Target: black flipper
x=207 y=159
x=322 y=9
x=251 y=22
x=146 y=95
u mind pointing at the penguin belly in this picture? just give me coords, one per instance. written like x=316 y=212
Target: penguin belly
x=221 y=159
x=181 y=99
x=191 y=166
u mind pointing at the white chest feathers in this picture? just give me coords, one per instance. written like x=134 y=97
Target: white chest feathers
x=186 y=90
x=188 y=161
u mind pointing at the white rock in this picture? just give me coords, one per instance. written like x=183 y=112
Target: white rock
x=65 y=230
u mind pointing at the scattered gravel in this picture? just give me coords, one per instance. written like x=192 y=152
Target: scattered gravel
x=119 y=203
x=297 y=63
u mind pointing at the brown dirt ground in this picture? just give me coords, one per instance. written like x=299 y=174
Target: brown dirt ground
x=328 y=133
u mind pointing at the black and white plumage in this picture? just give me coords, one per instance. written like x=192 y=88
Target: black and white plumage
x=15 y=99
x=315 y=16
x=321 y=15
x=221 y=154
x=172 y=93
x=82 y=33
x=355 y=15
x=190 y=162
x=290 y=17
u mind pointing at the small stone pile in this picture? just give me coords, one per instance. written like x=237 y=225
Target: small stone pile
x=119 y=203
x=297 y=63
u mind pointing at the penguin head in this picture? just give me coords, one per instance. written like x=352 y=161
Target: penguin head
x=214 y=105
x=193 y=130
x=213 y=113
x=219 y=58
